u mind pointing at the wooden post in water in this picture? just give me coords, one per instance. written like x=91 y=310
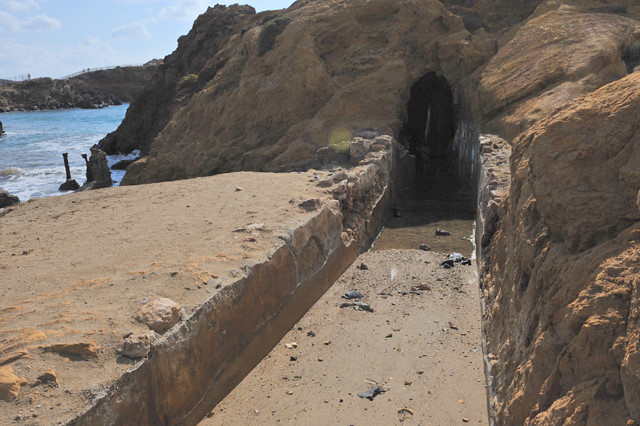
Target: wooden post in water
x=70 y=184
x=66 y=165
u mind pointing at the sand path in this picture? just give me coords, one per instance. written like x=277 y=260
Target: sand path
x=422 y=346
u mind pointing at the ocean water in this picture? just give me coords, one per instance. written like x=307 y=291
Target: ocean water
x=31 y=164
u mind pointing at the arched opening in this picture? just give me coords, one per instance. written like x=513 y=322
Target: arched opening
x=430 y=127
x=434 y=183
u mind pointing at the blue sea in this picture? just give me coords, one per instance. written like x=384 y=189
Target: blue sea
x=31 y=164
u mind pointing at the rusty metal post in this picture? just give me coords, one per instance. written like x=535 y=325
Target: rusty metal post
x=66 y=165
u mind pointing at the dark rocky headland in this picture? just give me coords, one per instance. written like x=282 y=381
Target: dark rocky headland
x=95 y=89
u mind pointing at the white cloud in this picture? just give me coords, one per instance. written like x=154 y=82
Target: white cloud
x=9 y=23
x=134 y=30
x=19 y=5
x=41 y=23
x=186 y=10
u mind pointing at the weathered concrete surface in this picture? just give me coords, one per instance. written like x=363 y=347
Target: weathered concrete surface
x=230 y=249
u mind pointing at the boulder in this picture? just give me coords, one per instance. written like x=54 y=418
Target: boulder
x=138 y=345
x=1 y=129
x=10 y=384
x=49 y=377
x=69 y=185
x=7 y=200
x=98 y=173
x=159 y=314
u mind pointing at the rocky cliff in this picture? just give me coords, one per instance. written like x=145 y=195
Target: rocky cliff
x=247 y=91
x=90 y=90
x=553 y=79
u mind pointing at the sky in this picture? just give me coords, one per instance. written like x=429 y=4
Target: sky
x=55 y=38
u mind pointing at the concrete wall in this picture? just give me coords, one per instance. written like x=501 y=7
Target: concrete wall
x=199 y=361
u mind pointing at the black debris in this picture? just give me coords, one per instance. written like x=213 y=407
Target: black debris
x=353 y=294
x=424 y=247
x=447 y=264
x=358 y=306
x=371 y=393
x=442 y=233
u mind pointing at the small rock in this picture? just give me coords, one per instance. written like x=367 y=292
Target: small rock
x=388 y=336
x=424 y=247
x=408 y=382
x=363 y=267
x=10 y=384
x=371 y=393
x=325 y=183
x=83 y=350
x=340 y=176
x=311 y=334
x=70 y=185
x=353 y=294
x=451 y=326
x=291 y=345
x=465 y=420
x=138 y=345
x=293 y=358
x=326 y=342
x=442 y=233
x=465 y=261
x=238 y=189
x=159 y=314
x=320 y=359
x=289 y=392
x=7 y=199
x=49 y=377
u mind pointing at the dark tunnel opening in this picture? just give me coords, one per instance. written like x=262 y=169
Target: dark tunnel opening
x=434 y=183
x=430 y=127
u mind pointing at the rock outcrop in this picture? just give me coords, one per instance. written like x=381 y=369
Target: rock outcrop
x=336 y=67
x=95 y=89
x=561 y=275
x=7 y=200
x=279 y=90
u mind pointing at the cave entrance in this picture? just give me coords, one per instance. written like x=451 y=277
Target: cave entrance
x=430 y=127
x=434 y=189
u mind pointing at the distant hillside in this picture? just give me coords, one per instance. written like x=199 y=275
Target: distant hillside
x=90 y=90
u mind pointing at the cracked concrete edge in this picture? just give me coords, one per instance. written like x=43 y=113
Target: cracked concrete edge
x=185 y=365
x=493 y=183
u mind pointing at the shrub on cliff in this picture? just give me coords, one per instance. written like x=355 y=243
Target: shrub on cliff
x=269 y=33
x=631 y=55
x=189 y=81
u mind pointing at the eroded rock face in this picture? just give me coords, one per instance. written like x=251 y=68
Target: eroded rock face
x=335 y=68
x=561 y=284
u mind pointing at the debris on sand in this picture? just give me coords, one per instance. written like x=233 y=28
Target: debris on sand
x=371 y=393
x=353 y=294
x=358 y=306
